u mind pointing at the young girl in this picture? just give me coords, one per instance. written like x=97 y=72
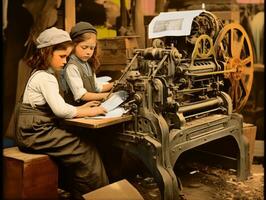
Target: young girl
x=82 y=65
x=38 y=127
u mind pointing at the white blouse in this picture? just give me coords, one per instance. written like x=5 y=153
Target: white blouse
x=43 y=88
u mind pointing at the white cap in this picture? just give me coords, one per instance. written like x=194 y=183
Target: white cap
x=51 y=37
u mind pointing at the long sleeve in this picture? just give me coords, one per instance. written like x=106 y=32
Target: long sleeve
x=74 y=81
x=43 y=88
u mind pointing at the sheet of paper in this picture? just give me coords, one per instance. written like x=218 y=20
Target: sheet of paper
x=115 y=100
x=117 y=112
x=177 y=23
x=103 y=79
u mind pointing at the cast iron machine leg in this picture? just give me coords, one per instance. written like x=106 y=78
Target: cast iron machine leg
x=154 y=153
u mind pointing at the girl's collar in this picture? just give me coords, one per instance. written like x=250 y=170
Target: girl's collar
x=73 y=56
x=50 y=70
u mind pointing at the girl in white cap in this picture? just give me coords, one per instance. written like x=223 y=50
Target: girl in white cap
x=38 y=128
x=82 y=65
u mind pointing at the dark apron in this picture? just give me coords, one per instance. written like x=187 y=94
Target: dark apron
x=88 y=82
x=38 y=131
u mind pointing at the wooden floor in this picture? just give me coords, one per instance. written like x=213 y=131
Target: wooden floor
x=201 y=181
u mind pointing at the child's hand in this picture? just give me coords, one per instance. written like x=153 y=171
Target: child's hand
x=99 y=110
x=93 y=103
x=90 y=111
x=104 y=95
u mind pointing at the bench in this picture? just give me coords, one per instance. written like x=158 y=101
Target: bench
x=29 y=176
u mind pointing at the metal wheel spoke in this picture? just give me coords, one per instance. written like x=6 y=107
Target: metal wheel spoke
x=233 y=46
x=239 y=47
x=223 y=51
x=244 y=94
x=236 y=94
x=204 y=48
x=241 y=44
x=247 y=60
x=242 y=85
x=232 y=91
x=248 y=71
x=231 y=41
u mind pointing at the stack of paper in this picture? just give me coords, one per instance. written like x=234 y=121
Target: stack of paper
x=112 y=105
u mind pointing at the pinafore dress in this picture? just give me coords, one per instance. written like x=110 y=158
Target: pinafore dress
x=38 y=131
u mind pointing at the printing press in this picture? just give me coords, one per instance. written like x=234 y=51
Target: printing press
x=186 y=90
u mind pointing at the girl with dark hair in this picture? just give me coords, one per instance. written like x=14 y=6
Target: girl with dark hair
x=38 y=127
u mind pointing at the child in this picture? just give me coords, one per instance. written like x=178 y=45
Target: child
x=38 y=128
x=82 y=65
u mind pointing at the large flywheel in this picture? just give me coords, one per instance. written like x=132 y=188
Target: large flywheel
x=233 y=49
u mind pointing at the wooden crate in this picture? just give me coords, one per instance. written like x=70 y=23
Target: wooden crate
x=228 y=16
x=117 y=50
x=29 y=176
x=116 y=53
x=249 y=130
x=120 y=190
x=259 y=148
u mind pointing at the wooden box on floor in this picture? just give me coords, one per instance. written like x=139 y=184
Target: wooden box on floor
x=29 y=176
x=249 y=130
x=120 y=190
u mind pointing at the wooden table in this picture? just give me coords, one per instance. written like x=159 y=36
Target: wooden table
x=97 y=123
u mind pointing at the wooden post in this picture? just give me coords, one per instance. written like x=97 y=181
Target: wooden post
x=139 y=23
x=159 y=6
x=70 y=14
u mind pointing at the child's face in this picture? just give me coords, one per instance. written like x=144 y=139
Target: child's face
x=84 y=50
x=59 y=58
